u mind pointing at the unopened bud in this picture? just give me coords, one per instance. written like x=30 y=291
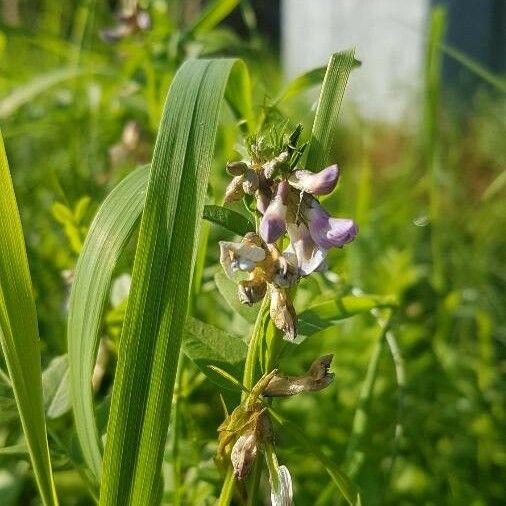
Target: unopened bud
x=243 y=454
x=234 y=190
x=283 y=313
x=237 y=168
x=250 y=182
x=273 y=224
x=316 y=183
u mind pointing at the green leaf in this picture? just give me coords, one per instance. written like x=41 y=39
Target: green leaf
x=212 y=15
x=62 y=213
x=27 y=92
x=325 y=314
x=345 y=485
x=56 y=388
x=108 y=234
x=231 y=220
x=228 y=290
x=300 y=84
x=19 y=333
x=323 y=135
x=158 y=301
x=207 y=345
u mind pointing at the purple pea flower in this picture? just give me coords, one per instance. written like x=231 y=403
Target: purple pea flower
x=329 y=232
x=315 y=183
x=273 y=224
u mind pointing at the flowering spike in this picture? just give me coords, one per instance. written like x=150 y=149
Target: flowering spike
x=316 y=183
x=273 y=224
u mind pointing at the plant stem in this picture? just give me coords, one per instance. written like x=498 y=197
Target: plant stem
x=227 y=489
x=249 y=380
x=176 y=458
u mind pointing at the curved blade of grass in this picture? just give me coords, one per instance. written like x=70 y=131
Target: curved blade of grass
x=212 y=15
x=111 y=229
x=19 y=334
x=325 y=314
x=158 y=301
x=323 y=134
x=108 y=234
x=25 y=93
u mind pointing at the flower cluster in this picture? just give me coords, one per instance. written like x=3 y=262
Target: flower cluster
x=286 y=203
x=248 y=429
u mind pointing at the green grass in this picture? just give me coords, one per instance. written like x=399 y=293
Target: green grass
x=416 y=412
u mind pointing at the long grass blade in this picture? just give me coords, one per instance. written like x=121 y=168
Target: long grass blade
x=158 y=301
x=19 y=334
x=323 y=134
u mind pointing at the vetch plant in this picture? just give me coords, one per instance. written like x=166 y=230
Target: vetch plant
x=286 y=240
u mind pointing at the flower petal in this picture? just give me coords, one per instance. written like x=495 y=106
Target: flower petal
x=329 y=232
x=282 y=495
x=316 y=183
x=239 y=256
x=308 y=254
x=273 y=224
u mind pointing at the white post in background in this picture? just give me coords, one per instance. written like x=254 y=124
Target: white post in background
x=389 y=36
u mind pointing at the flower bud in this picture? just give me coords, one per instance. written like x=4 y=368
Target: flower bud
x=243 y=454
x=316 y=183
x=317 y=378
x=234 y=190
x=329 y=232
x=237 y=168
x=250 y=182
x=273 y=224
x=281 y=487
x=283 y=313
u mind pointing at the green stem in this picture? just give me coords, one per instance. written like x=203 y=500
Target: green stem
x=227 y=489
x=255 y=482
x=176 y=457
x=249 y=380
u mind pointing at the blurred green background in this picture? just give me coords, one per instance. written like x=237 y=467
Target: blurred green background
x=81 y=93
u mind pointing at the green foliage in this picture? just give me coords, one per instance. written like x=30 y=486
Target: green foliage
x=19 y=333
x=416 y=410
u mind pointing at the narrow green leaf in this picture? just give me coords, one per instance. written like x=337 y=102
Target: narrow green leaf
x=345 y=485
x=207 y=345
x=212 y=15
x=27 y=92
x=323 y=134
x=162 y=273
x=229 y=219
x=300 y=84
x=19 y=334
x=473 y=66
x=108 y=234
x=325 y=314
x=20 y=449
x=56 y=388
